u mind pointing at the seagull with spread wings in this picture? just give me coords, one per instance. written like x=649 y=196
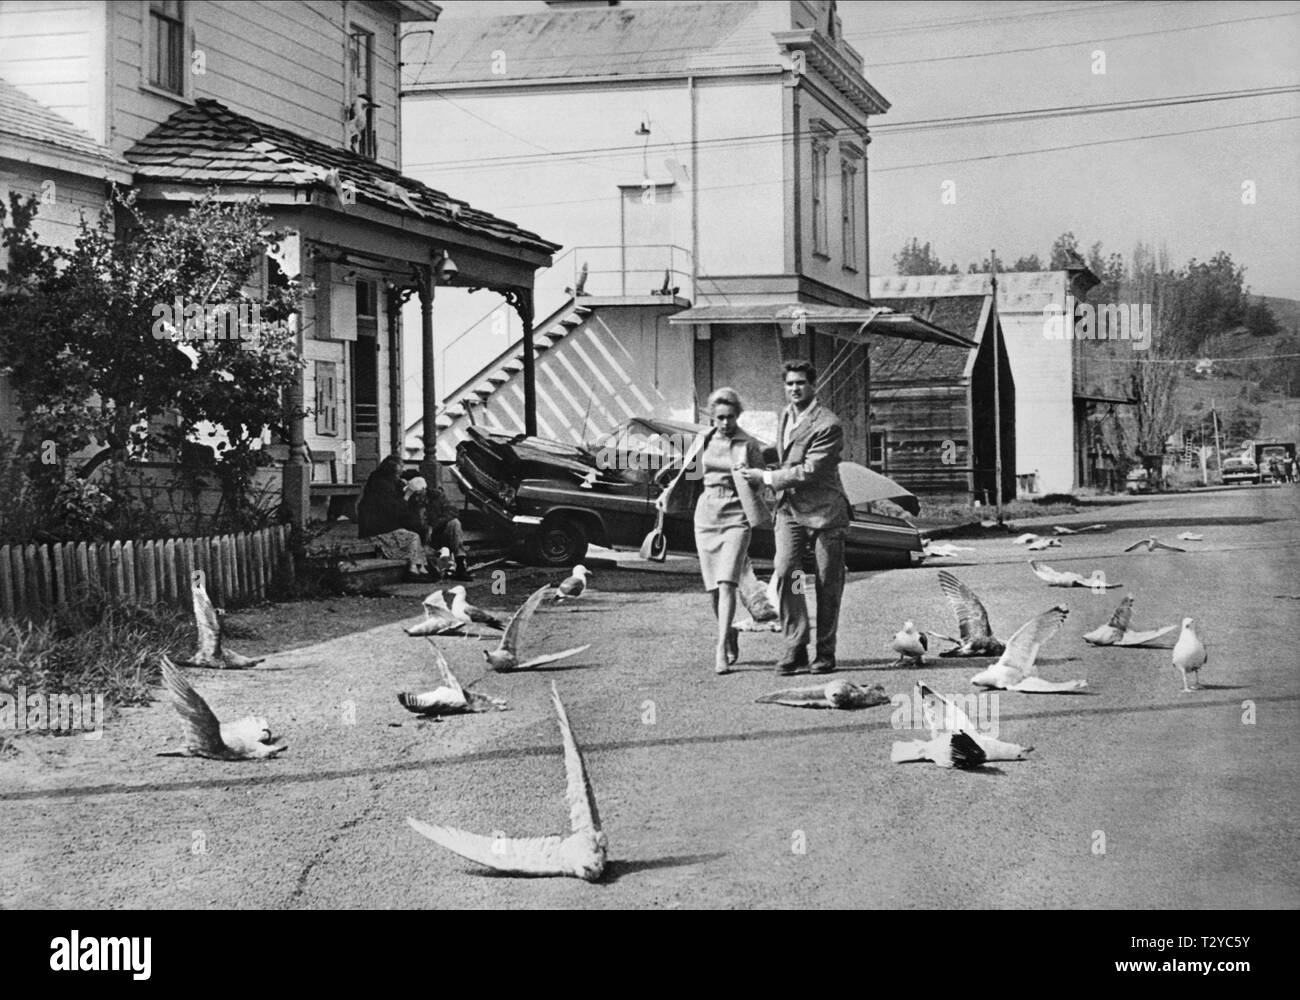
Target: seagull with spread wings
x=1116 y=632
x=211 y=652
x=448 y=698
x=506 y=656
x=461 y=608
x=1061 y=529
x=951 y=734
x=581 y=854
x=438 y=619
x=205 y=736
x=836 y=694
x=1069 y=578
x=1152 y=544
x=945 y=551
x=1016 y=671
x=972 y=620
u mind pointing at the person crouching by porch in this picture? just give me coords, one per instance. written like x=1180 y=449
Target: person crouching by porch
x=440 y=527
x=382 y=514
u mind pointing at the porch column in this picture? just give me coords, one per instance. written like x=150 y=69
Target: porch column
x=429 y=468
x=295 y=484
x=522 y=300
x=397 y=297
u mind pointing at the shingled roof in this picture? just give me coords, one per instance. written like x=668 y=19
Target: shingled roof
x=208 y=144
x=26 y=118
x=916 y=361
x=598 y=41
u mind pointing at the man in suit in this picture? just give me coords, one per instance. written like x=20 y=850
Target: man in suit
x=811 y=506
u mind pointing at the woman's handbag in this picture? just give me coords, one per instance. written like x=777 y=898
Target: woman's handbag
x=655 y=546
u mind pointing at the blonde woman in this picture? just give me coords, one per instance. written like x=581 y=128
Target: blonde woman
x=722 y=529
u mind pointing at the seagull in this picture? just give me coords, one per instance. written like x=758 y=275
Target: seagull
x=1152 y=544
x=1116 y=631
x=574 y=585
x=911 y=646
x=444 y=561
x=946 y=550
x=581 y=855
x=1016 y=670
x=1068 y=578
x=951 y=734
x=210 y=652
x=1062 y=530
x=836 y=694
x=506 y=656
x=1191 y=536
x=438 y=619
x=466 y=612
x=394 y=190
x=1026 y=538
x=247 y=739
x=1038 y=544
x=1189 y=653
x=973 y=621
x=448 y=698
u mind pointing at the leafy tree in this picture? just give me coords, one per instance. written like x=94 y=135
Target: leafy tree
x=1065 y=246
x=1260 y=321
x=920 y=258
x=93 y=358
x=1030 y=263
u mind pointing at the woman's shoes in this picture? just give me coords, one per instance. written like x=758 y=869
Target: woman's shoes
x=733 y=645
x=722 y=662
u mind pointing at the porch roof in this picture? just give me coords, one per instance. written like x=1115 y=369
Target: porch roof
x=208 y=144
x=32 y=132
x=877 y=320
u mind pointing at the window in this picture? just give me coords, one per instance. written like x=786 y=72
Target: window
x=849 y=212
x=821 y=149
x=327 y=398
x=166 y=44
x=876 y=460
x=359 y=117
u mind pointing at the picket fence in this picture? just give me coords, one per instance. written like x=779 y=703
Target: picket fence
x=36 y=579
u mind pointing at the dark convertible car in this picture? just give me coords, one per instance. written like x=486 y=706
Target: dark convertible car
x=554 y=499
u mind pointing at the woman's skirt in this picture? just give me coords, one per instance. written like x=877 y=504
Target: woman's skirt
x=721 y=536
x=401 y=544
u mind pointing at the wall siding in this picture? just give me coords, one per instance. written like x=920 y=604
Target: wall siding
x=49 y=50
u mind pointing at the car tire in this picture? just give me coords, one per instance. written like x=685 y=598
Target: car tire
x=558 y=542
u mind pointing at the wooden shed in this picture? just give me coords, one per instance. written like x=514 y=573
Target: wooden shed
x=932 y=405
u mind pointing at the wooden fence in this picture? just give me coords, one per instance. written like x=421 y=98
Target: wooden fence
x=36 y=579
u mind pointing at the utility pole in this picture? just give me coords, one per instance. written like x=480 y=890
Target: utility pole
x=997 y=401
x=1218 y=455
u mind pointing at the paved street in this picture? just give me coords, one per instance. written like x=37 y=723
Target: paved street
x=1137 y=795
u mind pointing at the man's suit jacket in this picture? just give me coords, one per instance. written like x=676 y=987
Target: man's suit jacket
x=808 y=479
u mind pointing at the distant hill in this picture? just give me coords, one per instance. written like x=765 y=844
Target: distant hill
x=1285 y=311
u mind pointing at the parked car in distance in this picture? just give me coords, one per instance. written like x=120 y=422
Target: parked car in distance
x=1240 y=470
x=554 y=499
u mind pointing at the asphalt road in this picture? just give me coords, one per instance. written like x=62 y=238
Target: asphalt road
x=1136 y=796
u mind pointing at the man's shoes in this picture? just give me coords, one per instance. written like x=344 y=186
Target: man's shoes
x=788 y=668
x=822 y=667
x=462 y=570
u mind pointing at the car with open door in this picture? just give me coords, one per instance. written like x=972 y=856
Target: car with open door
x=553 y=499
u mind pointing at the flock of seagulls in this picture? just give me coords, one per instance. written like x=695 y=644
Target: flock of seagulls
x=953 y=740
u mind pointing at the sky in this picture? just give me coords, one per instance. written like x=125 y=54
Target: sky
x=1226 y=183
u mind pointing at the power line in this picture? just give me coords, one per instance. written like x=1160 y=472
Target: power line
x=736 y=142
x=1086 y=41
x=914 y=166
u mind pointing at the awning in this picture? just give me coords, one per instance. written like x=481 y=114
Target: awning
x=877 y=321
x=1088 y=397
